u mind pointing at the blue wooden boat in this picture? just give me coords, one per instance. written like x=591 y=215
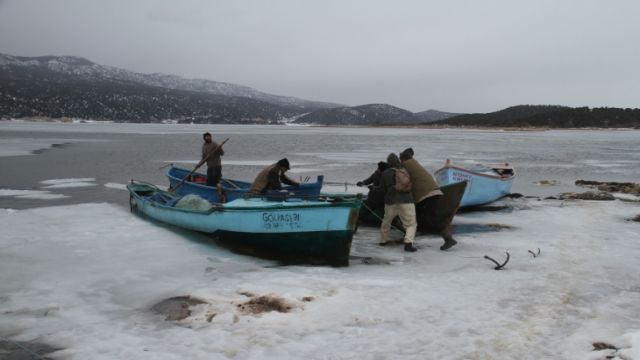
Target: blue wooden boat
x=232 y=189
x=485 y=183
x=295 y=230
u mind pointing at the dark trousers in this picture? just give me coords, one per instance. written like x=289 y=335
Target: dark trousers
x=214 y=174
x=427 y=214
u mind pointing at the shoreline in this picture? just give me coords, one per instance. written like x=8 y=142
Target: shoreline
x=399 y=126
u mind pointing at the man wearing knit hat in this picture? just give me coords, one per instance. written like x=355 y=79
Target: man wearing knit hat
x=398 y=201
x=426 y=193
x=211 y=153
x=272 y=177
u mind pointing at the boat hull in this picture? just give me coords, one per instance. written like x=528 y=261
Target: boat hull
x=232 y=189
x=482 y=188
x=314 y=247
x=298 y=231
x=433 y=220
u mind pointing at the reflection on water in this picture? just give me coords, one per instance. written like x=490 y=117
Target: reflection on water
x=116 y=153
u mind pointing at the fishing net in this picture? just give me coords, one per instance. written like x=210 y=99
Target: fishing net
x=193 y=202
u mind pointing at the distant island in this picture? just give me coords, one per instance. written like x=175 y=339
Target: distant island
x=67 y=87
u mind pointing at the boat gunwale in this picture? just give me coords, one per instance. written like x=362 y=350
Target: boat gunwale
x=218 y=207
x=495 y=177
x=198 y=185
x=233 y=189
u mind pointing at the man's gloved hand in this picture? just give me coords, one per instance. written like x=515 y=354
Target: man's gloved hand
x=359 y=183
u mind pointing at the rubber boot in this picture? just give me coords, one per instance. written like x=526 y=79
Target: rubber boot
x=408 y=247
x=448 y=240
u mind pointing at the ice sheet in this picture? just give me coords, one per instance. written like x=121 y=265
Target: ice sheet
x=31 y=194
x=117 y=186
x=68 y=183
x=24 y=146
x=83 y=278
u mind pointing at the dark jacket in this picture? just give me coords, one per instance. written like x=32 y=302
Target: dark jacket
x=270 y=178
x=214 y=159
x=374 y=179
x=388 y=182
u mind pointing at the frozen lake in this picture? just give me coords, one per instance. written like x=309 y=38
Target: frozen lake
x=80 y=273
x=113 y=154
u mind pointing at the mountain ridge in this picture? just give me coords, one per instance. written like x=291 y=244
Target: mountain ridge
x=74 y=87
x=84 y=68
x=549 y=116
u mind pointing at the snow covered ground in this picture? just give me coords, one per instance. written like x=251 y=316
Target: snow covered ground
x=84 y=277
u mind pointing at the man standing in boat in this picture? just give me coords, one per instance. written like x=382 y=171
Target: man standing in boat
x=272 y=177
x=426 y=192
x=211 y=153
x=398 y=201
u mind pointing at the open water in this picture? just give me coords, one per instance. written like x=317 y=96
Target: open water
x=113 y=154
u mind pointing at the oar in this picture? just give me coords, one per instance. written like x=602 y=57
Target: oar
x=231 y=183
x=197 y=166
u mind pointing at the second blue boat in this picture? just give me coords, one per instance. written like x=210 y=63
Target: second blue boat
x=233 y=189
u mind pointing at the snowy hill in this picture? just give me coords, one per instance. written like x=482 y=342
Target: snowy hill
x=73 y=87
x=372 y=114
x=87 y=70
x=434 y=115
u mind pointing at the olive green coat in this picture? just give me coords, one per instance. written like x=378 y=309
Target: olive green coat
x=214 y=158
x=270 y=178
x=423 y=183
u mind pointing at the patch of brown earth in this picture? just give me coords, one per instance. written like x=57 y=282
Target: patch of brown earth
x=308 y=298
x=597 y=346
x=266 y=303
x=547 y=182
x=589 y=195
x=636 y=219
x=177 y=308
x=619 y=187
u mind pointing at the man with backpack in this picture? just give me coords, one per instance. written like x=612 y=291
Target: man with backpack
x=398 y=201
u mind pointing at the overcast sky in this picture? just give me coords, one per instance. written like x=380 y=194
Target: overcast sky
x=457 y=56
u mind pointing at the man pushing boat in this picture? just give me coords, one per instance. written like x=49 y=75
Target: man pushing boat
x=426 y=192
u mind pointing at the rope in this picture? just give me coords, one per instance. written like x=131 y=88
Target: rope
x=23 y=348
x=346 y=184
x=378 y=216
x=339 y=183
